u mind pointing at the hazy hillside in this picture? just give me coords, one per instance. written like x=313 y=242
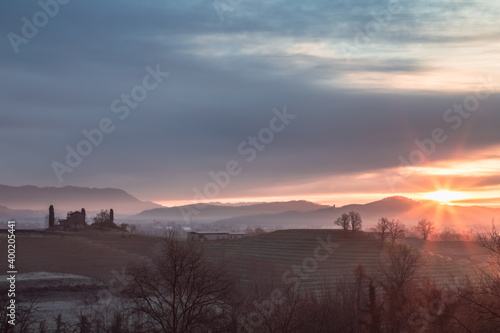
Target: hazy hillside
x=71 y=198
x=211 y=212
x=404 y=209
x=7 y=213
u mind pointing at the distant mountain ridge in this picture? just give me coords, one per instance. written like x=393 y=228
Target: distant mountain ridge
x=7 y=213
x=404 y=209
x=211 y=212
x=33 y=202
x=70 y=198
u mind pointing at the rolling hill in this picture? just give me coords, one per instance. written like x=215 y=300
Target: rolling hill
x=265 y=258
x=406 y=210
x=257 y=259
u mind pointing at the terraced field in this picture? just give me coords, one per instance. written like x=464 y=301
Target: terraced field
x=264 y=259
x=259 y=259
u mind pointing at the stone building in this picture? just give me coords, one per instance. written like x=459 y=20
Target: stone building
x=74 y=220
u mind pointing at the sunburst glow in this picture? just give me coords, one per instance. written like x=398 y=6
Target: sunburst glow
x=446 y=196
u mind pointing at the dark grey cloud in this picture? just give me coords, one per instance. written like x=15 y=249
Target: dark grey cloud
x=225 y=79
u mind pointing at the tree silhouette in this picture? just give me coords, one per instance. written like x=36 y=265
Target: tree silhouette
x=425 y=227
x=105 y=218
x=102 y=218
x=382 y=228
x=51 y=216
x=343 y=221
x=399 y=273
x=396 y=230
x=356 y=221
x=373 y=308
x=182 y=290
x=483 y=295
x=84 y=213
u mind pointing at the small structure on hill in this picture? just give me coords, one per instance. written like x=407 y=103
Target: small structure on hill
x=74 y=220
x=214 y=235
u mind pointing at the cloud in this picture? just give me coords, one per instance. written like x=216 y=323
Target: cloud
x=226 y=77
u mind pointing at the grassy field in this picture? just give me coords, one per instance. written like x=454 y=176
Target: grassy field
x=90 y=253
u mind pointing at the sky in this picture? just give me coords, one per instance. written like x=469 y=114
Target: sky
x=335 y=102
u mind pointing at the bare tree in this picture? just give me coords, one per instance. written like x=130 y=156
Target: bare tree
x=491 y=241
x=356 y=222
x=396 y=230
x=291 y=315
x=181 y=291
x=399 y=274
x=382 y=228
x=448 y=234
x=367 y=303
x=101 y=218
x=105 y=218
x=425 y=227
x=483 y=295
x=402 y=266
x=343 y=221
x=27 y=314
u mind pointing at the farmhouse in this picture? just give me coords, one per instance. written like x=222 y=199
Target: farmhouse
x=73 y=219
x=214 y=235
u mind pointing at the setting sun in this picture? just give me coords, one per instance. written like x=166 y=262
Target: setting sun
x=446 y=196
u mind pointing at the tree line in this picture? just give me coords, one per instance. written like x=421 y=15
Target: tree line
x=385 y=228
